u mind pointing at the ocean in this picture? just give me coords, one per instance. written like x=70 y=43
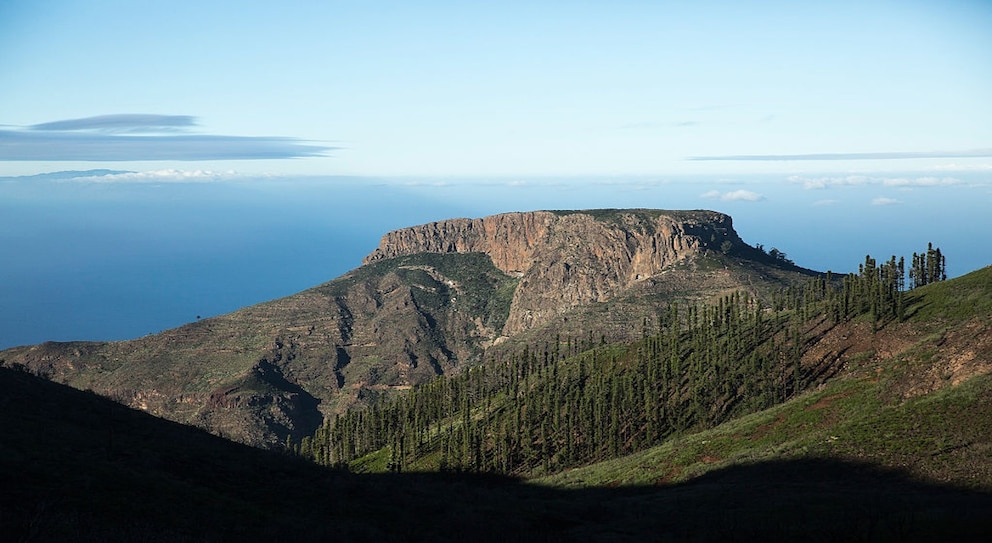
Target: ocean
x=90 y=260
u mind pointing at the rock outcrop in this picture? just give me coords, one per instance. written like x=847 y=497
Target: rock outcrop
x=429 y=300
x=566 y=259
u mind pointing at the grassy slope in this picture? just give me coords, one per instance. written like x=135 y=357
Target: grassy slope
x=897 y=403
x=888 y=410
x=945 y=436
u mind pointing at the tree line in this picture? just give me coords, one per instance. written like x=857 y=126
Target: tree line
x=573 y=401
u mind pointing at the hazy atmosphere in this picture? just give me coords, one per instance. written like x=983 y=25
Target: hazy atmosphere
x=163 y=162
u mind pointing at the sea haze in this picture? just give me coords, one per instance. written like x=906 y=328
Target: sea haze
x=103 y=261
x=97 y=260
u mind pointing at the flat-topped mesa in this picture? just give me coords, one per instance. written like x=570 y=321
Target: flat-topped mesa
x=568 y=258
x=509 y=239
x=513 y=240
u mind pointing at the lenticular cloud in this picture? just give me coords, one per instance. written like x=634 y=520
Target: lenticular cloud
x=133 y=137
x=125 y=122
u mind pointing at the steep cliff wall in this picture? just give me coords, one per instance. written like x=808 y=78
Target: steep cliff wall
x=566 y=259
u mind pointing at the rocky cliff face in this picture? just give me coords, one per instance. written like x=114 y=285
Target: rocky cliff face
x=566 y=259
x=430 y=299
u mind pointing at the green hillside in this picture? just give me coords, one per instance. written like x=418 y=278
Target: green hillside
x=944 y=436
x=575 y=402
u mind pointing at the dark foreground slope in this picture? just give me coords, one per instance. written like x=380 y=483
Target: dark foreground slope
x=77 y=467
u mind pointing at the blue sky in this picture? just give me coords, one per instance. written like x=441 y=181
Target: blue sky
x=508 y=88
x=233 y=152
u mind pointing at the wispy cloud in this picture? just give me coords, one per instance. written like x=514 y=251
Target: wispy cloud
x=854 y=180
x=821 y=203
x=883 y=201
x=971 y=153
x=125 y=122
x=736 y=195
x=141 y=137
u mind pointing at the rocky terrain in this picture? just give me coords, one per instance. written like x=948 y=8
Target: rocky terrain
x=430 y=300
x=565 y=259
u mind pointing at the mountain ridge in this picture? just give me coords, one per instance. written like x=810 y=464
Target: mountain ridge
x=569 y=258
x=429 y=300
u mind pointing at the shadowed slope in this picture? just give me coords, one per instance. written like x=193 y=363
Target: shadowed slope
x=77 y=467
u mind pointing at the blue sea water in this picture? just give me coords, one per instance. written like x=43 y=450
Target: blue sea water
x=113 y=261
x=109 y=261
